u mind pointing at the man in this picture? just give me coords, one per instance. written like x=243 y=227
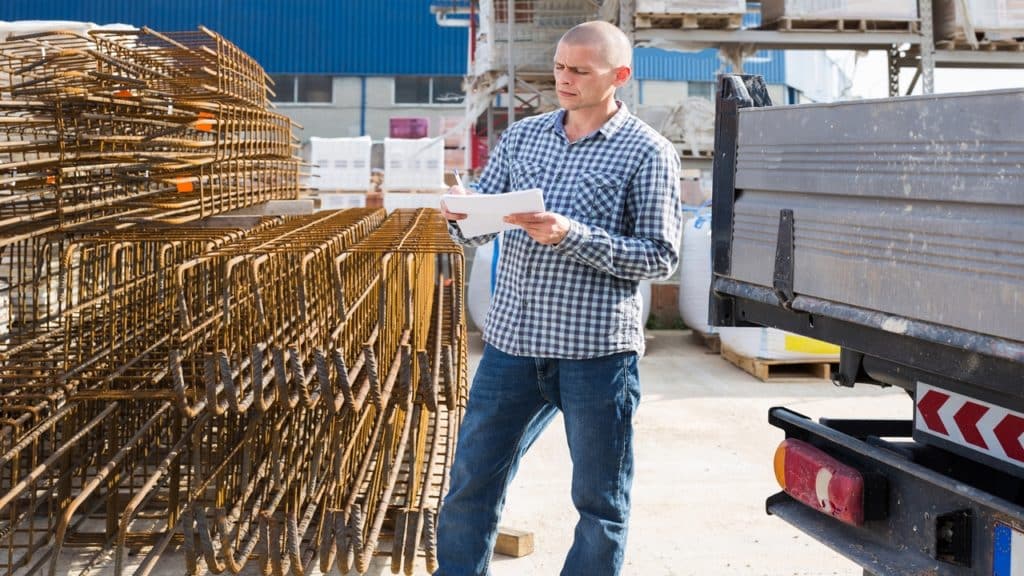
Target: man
x=563 y=331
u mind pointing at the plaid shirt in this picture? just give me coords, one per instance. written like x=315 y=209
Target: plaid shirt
x=619 y=187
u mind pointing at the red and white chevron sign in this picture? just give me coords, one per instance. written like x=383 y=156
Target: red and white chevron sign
x=978 y=425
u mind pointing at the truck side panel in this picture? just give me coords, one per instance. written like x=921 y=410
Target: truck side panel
x=909 y=206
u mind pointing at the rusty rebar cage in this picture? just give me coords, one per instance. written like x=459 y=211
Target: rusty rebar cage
x=168 y=127
x=262 y=397
x=289 y=392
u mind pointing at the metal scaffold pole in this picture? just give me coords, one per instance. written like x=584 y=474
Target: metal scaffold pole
x=927 y=47
x=893 y=61
x=511 y=16
x=626 y=9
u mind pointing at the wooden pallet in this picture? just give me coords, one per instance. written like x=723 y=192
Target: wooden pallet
x=786 y=24
x=984 y=44
x=689 y=21
x=686 y=151
x=710 y=341
x=771 y=370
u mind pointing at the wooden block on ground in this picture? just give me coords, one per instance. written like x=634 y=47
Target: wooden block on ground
x=514 y=543
x=766 y=370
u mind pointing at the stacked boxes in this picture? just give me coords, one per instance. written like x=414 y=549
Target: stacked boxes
x=877 y=10
x=990 y=21
x=339 y=163
x=413 y=164
x=454 y=133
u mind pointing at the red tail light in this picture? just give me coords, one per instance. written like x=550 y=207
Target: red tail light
x=820 y=481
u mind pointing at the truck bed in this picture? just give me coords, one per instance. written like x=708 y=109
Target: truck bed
x=910 y=206
x=893 y=228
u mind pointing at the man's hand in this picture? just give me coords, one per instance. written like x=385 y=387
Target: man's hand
x=453 y=216
x=544 y=227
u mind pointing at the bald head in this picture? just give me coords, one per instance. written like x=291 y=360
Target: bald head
x=611 y=42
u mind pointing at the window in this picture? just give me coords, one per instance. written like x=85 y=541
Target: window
x=305 y=88
x=284 y=88
x=429 y=90
x=315 y=89
x=412 y=90
x=704 y=90
x=447 y=90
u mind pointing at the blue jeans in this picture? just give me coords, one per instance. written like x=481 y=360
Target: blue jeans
x=512 y=400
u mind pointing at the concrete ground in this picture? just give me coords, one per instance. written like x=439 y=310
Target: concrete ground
x=704 y=468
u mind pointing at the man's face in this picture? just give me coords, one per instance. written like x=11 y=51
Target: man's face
x=583 y=77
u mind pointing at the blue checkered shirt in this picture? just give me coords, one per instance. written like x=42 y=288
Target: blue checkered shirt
x=619 y=187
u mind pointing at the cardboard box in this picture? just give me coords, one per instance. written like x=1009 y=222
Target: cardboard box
x=453 y=131
x=454 y=158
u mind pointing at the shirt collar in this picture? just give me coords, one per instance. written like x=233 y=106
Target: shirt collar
x=608 y=129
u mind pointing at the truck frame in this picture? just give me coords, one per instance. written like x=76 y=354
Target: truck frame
x=895 y=229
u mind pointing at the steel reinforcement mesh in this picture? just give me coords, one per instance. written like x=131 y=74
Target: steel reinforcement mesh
x=269 y=397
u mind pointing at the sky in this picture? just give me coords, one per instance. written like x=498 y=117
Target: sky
x=870 y=78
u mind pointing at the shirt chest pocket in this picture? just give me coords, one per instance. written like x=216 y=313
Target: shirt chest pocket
x=599 y=200
x=526 y=175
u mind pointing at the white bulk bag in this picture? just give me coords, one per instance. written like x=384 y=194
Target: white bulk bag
x=481 y=281
x=695 y=272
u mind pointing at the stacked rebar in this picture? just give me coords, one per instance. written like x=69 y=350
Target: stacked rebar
x=119 y=124
x=262 y=398
x=290 y=392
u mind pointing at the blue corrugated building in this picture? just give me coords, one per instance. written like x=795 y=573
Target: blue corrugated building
x=336 y=37
x=347 y=67
x=345 y=38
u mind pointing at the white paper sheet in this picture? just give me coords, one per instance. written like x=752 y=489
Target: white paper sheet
x=485 y=212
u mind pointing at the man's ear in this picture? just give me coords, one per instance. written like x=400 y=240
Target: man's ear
x=622 y=75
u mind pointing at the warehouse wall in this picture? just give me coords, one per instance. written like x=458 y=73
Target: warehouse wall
x=343 y=116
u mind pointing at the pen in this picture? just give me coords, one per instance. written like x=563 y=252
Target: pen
x=458 y=180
